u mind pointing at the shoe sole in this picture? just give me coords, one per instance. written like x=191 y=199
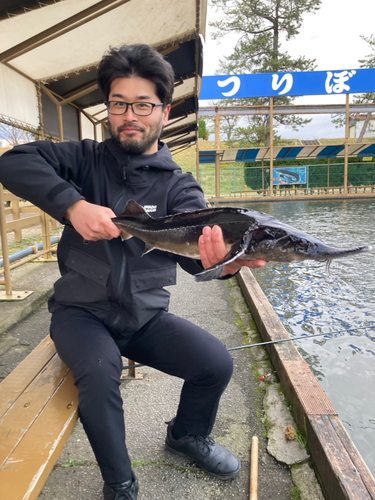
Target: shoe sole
x=224 y=477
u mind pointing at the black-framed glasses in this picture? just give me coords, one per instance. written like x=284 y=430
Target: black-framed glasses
x=140 y=108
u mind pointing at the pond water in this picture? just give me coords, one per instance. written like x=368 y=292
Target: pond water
x=307 y=300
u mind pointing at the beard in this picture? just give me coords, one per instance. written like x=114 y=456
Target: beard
x=136 y=146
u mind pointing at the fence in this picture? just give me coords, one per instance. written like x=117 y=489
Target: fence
x=240 y=180
x=25 y=224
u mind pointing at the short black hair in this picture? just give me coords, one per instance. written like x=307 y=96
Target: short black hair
x=137 y=60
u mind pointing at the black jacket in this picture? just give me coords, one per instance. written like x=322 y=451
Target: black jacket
x=108 y=278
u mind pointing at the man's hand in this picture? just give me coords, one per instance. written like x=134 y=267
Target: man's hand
x=92 y=222
x=212 y=250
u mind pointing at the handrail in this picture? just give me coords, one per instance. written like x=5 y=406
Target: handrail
x=16 y=226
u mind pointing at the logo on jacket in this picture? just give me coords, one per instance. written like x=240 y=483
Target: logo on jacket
x=150 y=208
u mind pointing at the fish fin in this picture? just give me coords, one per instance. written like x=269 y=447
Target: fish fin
x=209 y=274
x=328 y=265
x=133 y=208
x=125 y=235
x=215 y=271
x=148 y=248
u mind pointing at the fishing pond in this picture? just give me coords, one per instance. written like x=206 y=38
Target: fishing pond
x=309 y=301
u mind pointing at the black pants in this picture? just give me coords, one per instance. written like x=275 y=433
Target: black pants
x=167 y=343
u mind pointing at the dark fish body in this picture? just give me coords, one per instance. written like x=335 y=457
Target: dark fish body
x=289 y=175
x=248 y=235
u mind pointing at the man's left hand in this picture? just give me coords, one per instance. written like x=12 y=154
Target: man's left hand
x=213 y=250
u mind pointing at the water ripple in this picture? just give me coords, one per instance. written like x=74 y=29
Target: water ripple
x=307 y=300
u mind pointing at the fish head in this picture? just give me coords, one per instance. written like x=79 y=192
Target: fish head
x=279 y=245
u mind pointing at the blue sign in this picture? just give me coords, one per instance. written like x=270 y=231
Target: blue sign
x=348 y=81
x=289 y=175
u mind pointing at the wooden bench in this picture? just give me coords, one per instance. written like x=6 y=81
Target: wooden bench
x=38 y=411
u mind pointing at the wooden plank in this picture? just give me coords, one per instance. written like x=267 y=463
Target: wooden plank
x=355 y=456
x=339 y=477
x=307 y=388
x=23 y=223
x=299 y=383
x=18 y=380
x=22 y=414
x=27 y=469
x=341 y=470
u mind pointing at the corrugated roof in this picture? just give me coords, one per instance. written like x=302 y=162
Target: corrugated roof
x=56 y=46
x=286 y=153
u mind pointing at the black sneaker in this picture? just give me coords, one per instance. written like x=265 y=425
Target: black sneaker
x=210 y=456
x=122 y=491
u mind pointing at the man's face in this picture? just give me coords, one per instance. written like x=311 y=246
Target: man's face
x=136 y=134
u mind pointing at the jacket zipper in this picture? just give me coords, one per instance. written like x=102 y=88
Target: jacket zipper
x=123 y=262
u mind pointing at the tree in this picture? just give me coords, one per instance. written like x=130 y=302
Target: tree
x=366 y=98
x=202 y=131
x=15 y=135
x=228 y=126
x=260 y=25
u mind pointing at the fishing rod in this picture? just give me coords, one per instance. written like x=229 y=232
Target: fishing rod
x=301 y=337
x=298 y=338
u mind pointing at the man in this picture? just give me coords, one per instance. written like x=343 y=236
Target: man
x=110 y=301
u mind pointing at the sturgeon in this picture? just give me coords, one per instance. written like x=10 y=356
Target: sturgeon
x=247 y=234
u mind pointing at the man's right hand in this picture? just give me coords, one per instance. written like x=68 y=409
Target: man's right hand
x=92 y=222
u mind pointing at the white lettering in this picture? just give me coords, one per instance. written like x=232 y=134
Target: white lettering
x=288 y=79
x=236 y=87
x=339 y=81
x=150 y=208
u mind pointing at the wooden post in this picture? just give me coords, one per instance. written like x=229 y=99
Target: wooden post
x=80 y=132
x=217 y=131
x=4 y=247
x=271 y=146
x=262 y=175
x=217 y=158
x=132 y=373
x=197 y=174
x=46 y=236
x=40 y=111
x=346 y=145
x=217 y=175
x=254 y=469
x=60 y=122
x=15 y=204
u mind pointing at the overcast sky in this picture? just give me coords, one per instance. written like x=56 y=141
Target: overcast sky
x=331 y=37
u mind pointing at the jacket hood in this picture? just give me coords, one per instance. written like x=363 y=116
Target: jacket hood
x=162 y=159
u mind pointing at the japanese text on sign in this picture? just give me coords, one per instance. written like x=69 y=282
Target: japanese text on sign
x=290 y=84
